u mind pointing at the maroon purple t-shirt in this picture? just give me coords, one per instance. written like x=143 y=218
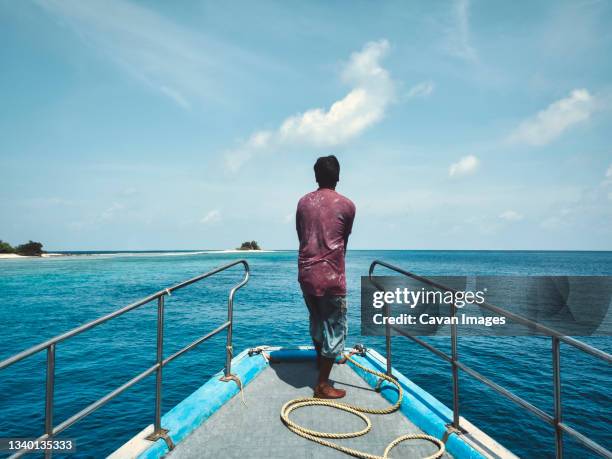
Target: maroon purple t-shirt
x=324 y=220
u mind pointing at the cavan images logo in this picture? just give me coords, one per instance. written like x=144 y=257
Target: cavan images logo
x=413 y=298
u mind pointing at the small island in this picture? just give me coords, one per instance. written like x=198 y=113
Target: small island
x=29 y=249
x=252 y=245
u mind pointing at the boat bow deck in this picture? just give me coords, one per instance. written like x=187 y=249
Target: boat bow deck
x=214 y=422
x=255 y=430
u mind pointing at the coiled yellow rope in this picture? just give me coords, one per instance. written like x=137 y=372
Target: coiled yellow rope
x=318 y=437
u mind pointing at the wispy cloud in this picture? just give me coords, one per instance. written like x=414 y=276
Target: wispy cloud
x=608 y=177
x=114 y=211
x=168 y=58
x=128 y=192
x=458 y=42
x=548 y=124
x=423 y=89
x=511 y=216
x=110 y=212
x=211 y=217
x=465 y=166
x=373 y=91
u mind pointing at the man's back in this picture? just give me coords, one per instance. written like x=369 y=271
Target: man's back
x=324 y=221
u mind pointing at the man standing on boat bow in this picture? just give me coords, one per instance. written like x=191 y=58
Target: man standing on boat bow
x=324 y=220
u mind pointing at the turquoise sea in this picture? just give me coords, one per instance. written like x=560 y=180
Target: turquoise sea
x=44 y=297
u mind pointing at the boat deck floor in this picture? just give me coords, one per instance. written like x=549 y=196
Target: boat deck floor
x=256 y=431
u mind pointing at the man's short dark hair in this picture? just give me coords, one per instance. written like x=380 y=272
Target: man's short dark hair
x=327 y=171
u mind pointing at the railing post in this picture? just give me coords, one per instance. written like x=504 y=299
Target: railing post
x=158 y=430
x=388 y=351
x=228 y=344
x=556 y=364
x=388 y=341
x=455 y=370
x=160 y=358
x=49 y=394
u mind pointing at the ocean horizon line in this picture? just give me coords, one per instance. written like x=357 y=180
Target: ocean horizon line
x=68 y=251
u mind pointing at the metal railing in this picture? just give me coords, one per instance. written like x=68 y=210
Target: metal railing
x=158 y=431
x=555 y=420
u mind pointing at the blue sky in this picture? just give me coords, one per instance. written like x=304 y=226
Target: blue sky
x=180 y=125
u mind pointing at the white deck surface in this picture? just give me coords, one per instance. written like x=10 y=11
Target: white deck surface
x=256 y=431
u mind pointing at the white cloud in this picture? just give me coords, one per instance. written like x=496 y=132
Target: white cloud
x=211 y=217
x=511 y=216
x=290 y=217
x=373 y=90
x=129 y=192
x=458 y=35
x=608 y=177
x=149 y=47
x=559 y=116
x=423 y=89
x=465 y=166
x=110 y=212
x=107 y=216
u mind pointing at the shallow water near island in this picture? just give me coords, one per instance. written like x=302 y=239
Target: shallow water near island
x=44 y=297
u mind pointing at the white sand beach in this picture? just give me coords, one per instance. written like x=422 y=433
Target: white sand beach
x=240 y=251
x=14 y=256
x=8 y=256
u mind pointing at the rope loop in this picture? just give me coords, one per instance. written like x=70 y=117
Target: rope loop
x=319 y=437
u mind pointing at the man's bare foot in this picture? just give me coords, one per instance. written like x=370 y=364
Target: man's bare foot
x=326 y=390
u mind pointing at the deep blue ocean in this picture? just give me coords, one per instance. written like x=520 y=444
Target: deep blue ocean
x=44 y=297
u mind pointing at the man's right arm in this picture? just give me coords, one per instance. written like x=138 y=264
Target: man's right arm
x=298 y=225
x=349 y=225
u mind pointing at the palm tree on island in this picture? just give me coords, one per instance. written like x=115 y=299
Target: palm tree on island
x=249 y=246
